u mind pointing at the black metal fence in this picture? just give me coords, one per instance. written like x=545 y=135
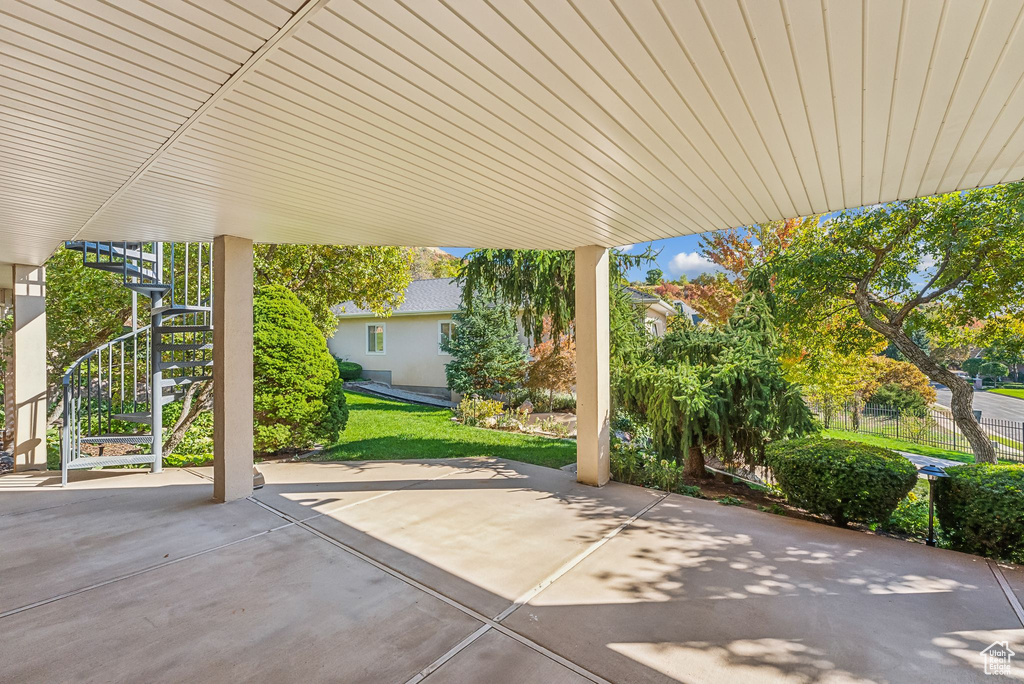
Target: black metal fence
x=934 y=428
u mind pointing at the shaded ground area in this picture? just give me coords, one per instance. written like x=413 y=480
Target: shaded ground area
x=468 y=570
x=380 y=429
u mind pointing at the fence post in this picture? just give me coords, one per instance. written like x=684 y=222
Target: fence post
x=897 y=424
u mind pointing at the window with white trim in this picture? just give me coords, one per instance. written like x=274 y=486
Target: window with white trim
x=444 y=332
x=375 y=338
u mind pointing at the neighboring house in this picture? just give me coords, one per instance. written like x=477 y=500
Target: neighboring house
x=684 y=309
x=656 y=309
x=404 y=350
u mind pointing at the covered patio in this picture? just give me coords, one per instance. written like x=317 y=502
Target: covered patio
x=546 y=125
x=468 y=570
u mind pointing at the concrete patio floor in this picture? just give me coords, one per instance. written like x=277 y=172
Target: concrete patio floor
x=467 y=570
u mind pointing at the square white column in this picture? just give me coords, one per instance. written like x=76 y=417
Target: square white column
x=232 y=368
x=28 y=368
x=593 y=394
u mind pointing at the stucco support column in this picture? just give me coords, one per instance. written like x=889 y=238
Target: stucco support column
x=232 y=368
x=28 y=368
x=593 y=394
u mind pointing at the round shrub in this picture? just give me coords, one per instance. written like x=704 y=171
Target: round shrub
x=981 y=510
x=297 y=397
x=349 y=370
x=846 y=481
x=901 y=399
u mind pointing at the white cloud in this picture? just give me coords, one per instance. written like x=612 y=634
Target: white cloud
x=626 y=248
x=691 y=265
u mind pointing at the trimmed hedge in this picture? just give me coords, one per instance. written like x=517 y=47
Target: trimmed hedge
x=845 y=481
x=981 y=510
x=349 y=370
x=298 y=399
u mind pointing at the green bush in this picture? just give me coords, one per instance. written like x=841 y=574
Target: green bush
x=981 y=510
x=898 y=397
x=349 y=370
x=561 y=402
x=298 y=399
x=633 y=465
x=473 y=410
x=845 y=481
x=911 y=515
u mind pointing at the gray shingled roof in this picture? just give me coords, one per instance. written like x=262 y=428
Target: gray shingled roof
x=442 y=295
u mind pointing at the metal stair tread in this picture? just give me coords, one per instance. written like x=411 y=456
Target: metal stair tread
x=137 y=417
x=169 y=329
x=118 y=439
x=171 y=365
x=186 y=346
x=85 y=462
x=178 y=309
x=131 y=250
x=123 y=267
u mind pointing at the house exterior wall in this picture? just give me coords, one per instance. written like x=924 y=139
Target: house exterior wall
x=660 y=320
x=410 y=350
x=411 y=360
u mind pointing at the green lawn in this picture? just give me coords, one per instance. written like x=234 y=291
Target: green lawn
x=899 y=445
x=379 y=429
x=1017 y=393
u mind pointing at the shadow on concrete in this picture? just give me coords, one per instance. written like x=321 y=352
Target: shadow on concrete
x=692 y=591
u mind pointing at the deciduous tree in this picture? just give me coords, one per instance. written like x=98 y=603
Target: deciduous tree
x=959 y=252
x=323 y=276
x=553 y=368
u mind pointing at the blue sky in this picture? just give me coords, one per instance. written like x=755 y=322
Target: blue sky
x=678 y=256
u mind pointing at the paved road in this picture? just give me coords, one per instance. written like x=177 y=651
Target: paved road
x=993 y=407
x=996 y=406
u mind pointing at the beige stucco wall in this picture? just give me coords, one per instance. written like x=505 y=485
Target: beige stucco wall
x=660 y=320
x=410 y=348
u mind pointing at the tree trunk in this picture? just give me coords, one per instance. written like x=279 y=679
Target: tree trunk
x=197 y=400
x=55 y=415
x=695 y=464
x=963 y=393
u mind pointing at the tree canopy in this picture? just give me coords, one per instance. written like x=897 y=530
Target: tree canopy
x=716 y=390
x=943 y=262
x=541 y=284
x=323 y=276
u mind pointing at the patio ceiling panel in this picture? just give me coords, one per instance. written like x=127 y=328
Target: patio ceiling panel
x=91 y=91
x=512 y=123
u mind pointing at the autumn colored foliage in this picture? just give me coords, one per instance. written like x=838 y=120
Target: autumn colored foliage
x=553 y=368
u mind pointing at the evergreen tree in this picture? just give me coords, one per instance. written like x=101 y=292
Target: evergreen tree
x=487 y=356
x=708 y=390
x=297 y=396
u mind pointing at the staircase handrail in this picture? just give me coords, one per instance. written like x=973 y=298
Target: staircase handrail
x=77 y=364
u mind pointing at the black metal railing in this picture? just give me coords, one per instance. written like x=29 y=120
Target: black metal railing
x=928 y=427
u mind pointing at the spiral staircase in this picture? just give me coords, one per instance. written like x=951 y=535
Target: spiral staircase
x=113 y=396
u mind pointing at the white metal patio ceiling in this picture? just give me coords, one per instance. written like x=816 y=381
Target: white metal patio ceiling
x=520 y=123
